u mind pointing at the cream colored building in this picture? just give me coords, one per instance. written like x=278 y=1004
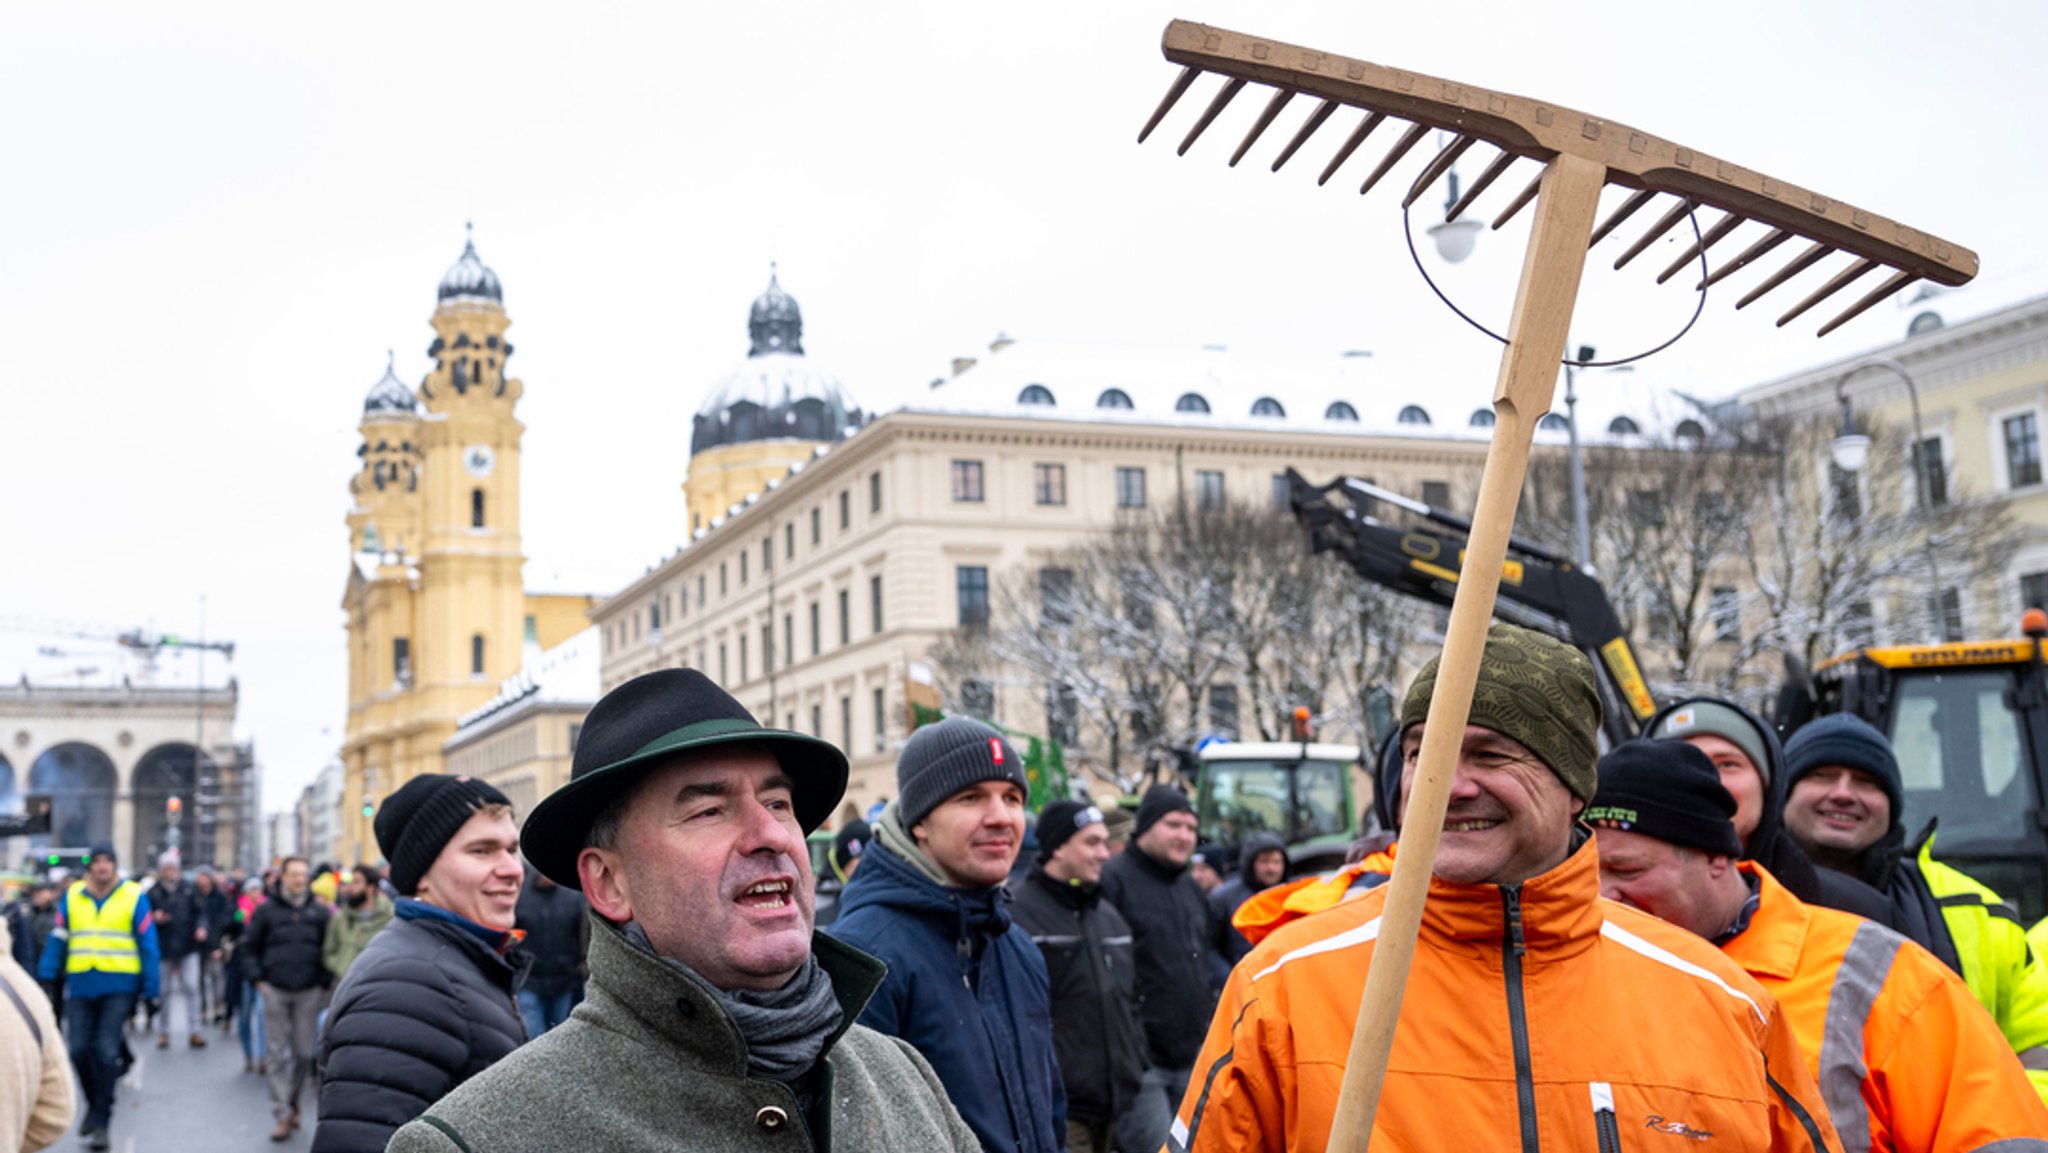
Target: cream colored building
x=437 y=613
x=523 y=738
x=1982 y=388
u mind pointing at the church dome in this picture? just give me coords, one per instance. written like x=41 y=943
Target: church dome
x=390 y=394
x=776 y=393
x=470 y=278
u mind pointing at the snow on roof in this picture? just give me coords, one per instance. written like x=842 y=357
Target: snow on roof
x=66 y=659
x=567 y=674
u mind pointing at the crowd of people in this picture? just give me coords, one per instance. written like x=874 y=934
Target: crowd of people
x=1700 y=938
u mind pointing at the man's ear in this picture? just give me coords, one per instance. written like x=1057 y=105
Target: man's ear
x=1578 y=805
x=603 y=873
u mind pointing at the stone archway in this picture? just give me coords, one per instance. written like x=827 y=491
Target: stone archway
x=10 y=790
x=80 y=780
x=166 y=771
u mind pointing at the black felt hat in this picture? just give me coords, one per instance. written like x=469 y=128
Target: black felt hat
x=651 y=720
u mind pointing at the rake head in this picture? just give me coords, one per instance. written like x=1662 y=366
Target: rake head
x=1369 y=96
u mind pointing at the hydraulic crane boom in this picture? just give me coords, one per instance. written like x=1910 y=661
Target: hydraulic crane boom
x=1538 y=589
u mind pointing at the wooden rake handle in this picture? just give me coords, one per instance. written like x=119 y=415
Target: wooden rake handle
x=1566 y=204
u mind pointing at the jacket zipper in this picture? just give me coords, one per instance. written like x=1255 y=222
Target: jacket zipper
x=1514 y=947
x=1604 y=1125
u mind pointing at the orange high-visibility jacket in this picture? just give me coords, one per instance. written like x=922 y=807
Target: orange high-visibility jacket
x=1537 y=1016
x=1905 y=1057
x=1268 y=909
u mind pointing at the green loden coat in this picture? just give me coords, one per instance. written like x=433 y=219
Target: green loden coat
x=649 y=1061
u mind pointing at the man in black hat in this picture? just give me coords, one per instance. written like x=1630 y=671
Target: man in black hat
x=1169 y=915
x=965 y=984
x=714 y=1018
x=429 y=1002
x=1088 y=955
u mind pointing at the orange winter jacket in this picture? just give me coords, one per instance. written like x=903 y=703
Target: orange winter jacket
x=1268 y=909
x=1905 y=1057
x=1537 y=1016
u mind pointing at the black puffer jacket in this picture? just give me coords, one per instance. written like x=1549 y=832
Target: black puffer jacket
x=180 y=918
x=1088 y=956
x=1169 y=921
x=428 y=1005
x=281 y=945
x=557 y=936
x=1229 y=944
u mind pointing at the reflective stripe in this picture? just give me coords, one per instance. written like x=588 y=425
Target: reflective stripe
x=1186 y=1132
x=1359 y=936
x=1057 y=939
x=2014 y=1145
x=1603 y=1096
x=1177 y=1137
x=2035 y=1058
x=1865 y=965
x=1663 y=956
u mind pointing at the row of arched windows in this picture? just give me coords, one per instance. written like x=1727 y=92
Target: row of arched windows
x=1038 y=394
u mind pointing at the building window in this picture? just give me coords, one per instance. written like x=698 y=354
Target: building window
x=767 y=650
x=846 y=723
x=532 y=631
x=1690 y=430
x=875 y=601
x=1114 y=398
x=575 y=734
x=1727 y=614
x=978 y=700
x=788 y=642
x=1950 y=615
x=789 y=541
x=2022 y=450
x=1436 y=493
x=1927 y=460
x=2034 y=590
x=1413 y=414
x=1191 y=402
x=814 y=628
x=767 y=554
x=1624 y=426
x=967 y=480
x=875 y=491
x=702 y=600
x=817 y=526
x=476 y=655
x=971 y=585
x=1341 y=410
x=721 y=578
x=743 y=567
x=654 y=617
x=1056 y=596
x=721 y=664
x=1208 y=489
x=845 y=617
x=1130 y=488
x=845 y=509
x=881 y=721
x=1035 y=394
x=1062 y=714
x=818 y=721
x=476 y=508
x=743 y=658
x=1553 y=422
x=1481 y=418
x=1267 y=406
x=1049 y=483
x=1283 y=493
x=401 y=661
x=1223 y=709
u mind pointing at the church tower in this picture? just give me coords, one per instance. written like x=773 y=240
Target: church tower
x=771 y=412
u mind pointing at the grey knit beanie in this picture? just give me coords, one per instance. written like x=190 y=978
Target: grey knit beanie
x=942 y=759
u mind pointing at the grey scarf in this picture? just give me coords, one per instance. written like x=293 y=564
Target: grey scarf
x=784 y=1029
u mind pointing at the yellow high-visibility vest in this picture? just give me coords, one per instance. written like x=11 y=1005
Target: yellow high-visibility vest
x=101 y=937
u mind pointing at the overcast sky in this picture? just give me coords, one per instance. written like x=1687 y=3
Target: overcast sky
x=216 y=220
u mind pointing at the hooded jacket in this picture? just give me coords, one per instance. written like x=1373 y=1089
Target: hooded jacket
x=1169 y=920
x=427 y=1006
x=965 y=986
x=1537 y=1016
x=1903 y=1055
x=651 y=1063
x=349 y=932
x=1088 y=956
x=1228 y=943
x=1773 y=848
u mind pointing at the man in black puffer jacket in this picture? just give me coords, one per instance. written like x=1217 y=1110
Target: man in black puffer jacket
x=556 y=923
x=1149 y=884
x=430 y=1003
x=1261 y=864
x=282 y=945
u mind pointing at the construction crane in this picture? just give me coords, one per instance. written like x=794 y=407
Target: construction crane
x=145 y=643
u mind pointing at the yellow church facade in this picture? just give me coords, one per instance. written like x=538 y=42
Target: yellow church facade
x=437 y=613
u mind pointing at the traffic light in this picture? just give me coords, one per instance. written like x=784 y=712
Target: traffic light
x=369 y=808
x=173 y=806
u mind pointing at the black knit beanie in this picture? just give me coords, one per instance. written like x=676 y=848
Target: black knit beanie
x=1159 y=801
x=1060 y=821
x=1667 y=790
x=1847 y=740
x=849 y=843
x=942 y=759
x=417 y=821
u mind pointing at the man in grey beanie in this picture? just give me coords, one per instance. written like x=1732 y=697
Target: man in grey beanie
x=929 y=900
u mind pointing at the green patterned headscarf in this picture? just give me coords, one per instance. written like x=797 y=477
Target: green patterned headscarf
x=1533 y=688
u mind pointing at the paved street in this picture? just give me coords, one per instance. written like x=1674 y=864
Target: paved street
x=181 y=1100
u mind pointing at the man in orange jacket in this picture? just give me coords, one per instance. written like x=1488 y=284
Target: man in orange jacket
x=1905 y=1057
x=1537 y=1016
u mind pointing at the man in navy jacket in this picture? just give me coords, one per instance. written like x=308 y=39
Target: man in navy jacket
x=966 y=986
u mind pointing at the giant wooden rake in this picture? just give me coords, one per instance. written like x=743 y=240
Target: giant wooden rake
x=1578 y=156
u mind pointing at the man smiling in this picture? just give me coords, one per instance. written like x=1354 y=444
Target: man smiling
x=715 y=1019
x=966 y=985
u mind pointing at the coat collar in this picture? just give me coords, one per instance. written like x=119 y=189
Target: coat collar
x=668 y=1003
x=1776 y=935
x=1560 y=909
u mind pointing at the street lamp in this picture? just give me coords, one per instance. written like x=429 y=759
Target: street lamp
x=1454 y=238
x=1851 y=451
x=1582 y=533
